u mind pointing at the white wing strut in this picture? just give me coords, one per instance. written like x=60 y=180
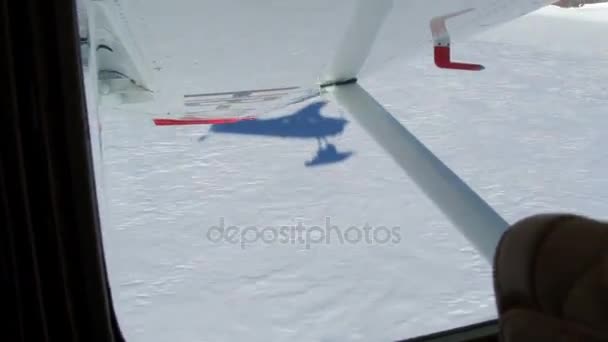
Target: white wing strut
x=479 y=223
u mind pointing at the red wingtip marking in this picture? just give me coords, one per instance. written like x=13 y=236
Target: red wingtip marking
x=443 y=60
x=198 y=121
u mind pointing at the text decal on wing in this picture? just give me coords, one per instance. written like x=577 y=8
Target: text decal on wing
x=234 y=106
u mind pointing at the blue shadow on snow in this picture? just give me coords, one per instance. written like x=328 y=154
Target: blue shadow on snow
x=328 y=155
x=306 y=123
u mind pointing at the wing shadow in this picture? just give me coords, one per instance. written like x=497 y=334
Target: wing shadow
x=307 y=122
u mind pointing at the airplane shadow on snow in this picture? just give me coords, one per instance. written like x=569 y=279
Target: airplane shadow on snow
x=306 y=123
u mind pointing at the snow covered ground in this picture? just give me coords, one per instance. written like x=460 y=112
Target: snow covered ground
x=528 y=134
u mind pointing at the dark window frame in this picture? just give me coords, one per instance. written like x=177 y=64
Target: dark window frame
x=53 y=272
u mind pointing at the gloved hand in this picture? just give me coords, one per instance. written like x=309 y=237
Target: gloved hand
x=551 y=280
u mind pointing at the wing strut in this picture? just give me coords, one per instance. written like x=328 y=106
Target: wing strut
x=475 y=219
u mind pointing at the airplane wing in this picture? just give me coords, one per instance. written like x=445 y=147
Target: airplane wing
x=212 y=59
